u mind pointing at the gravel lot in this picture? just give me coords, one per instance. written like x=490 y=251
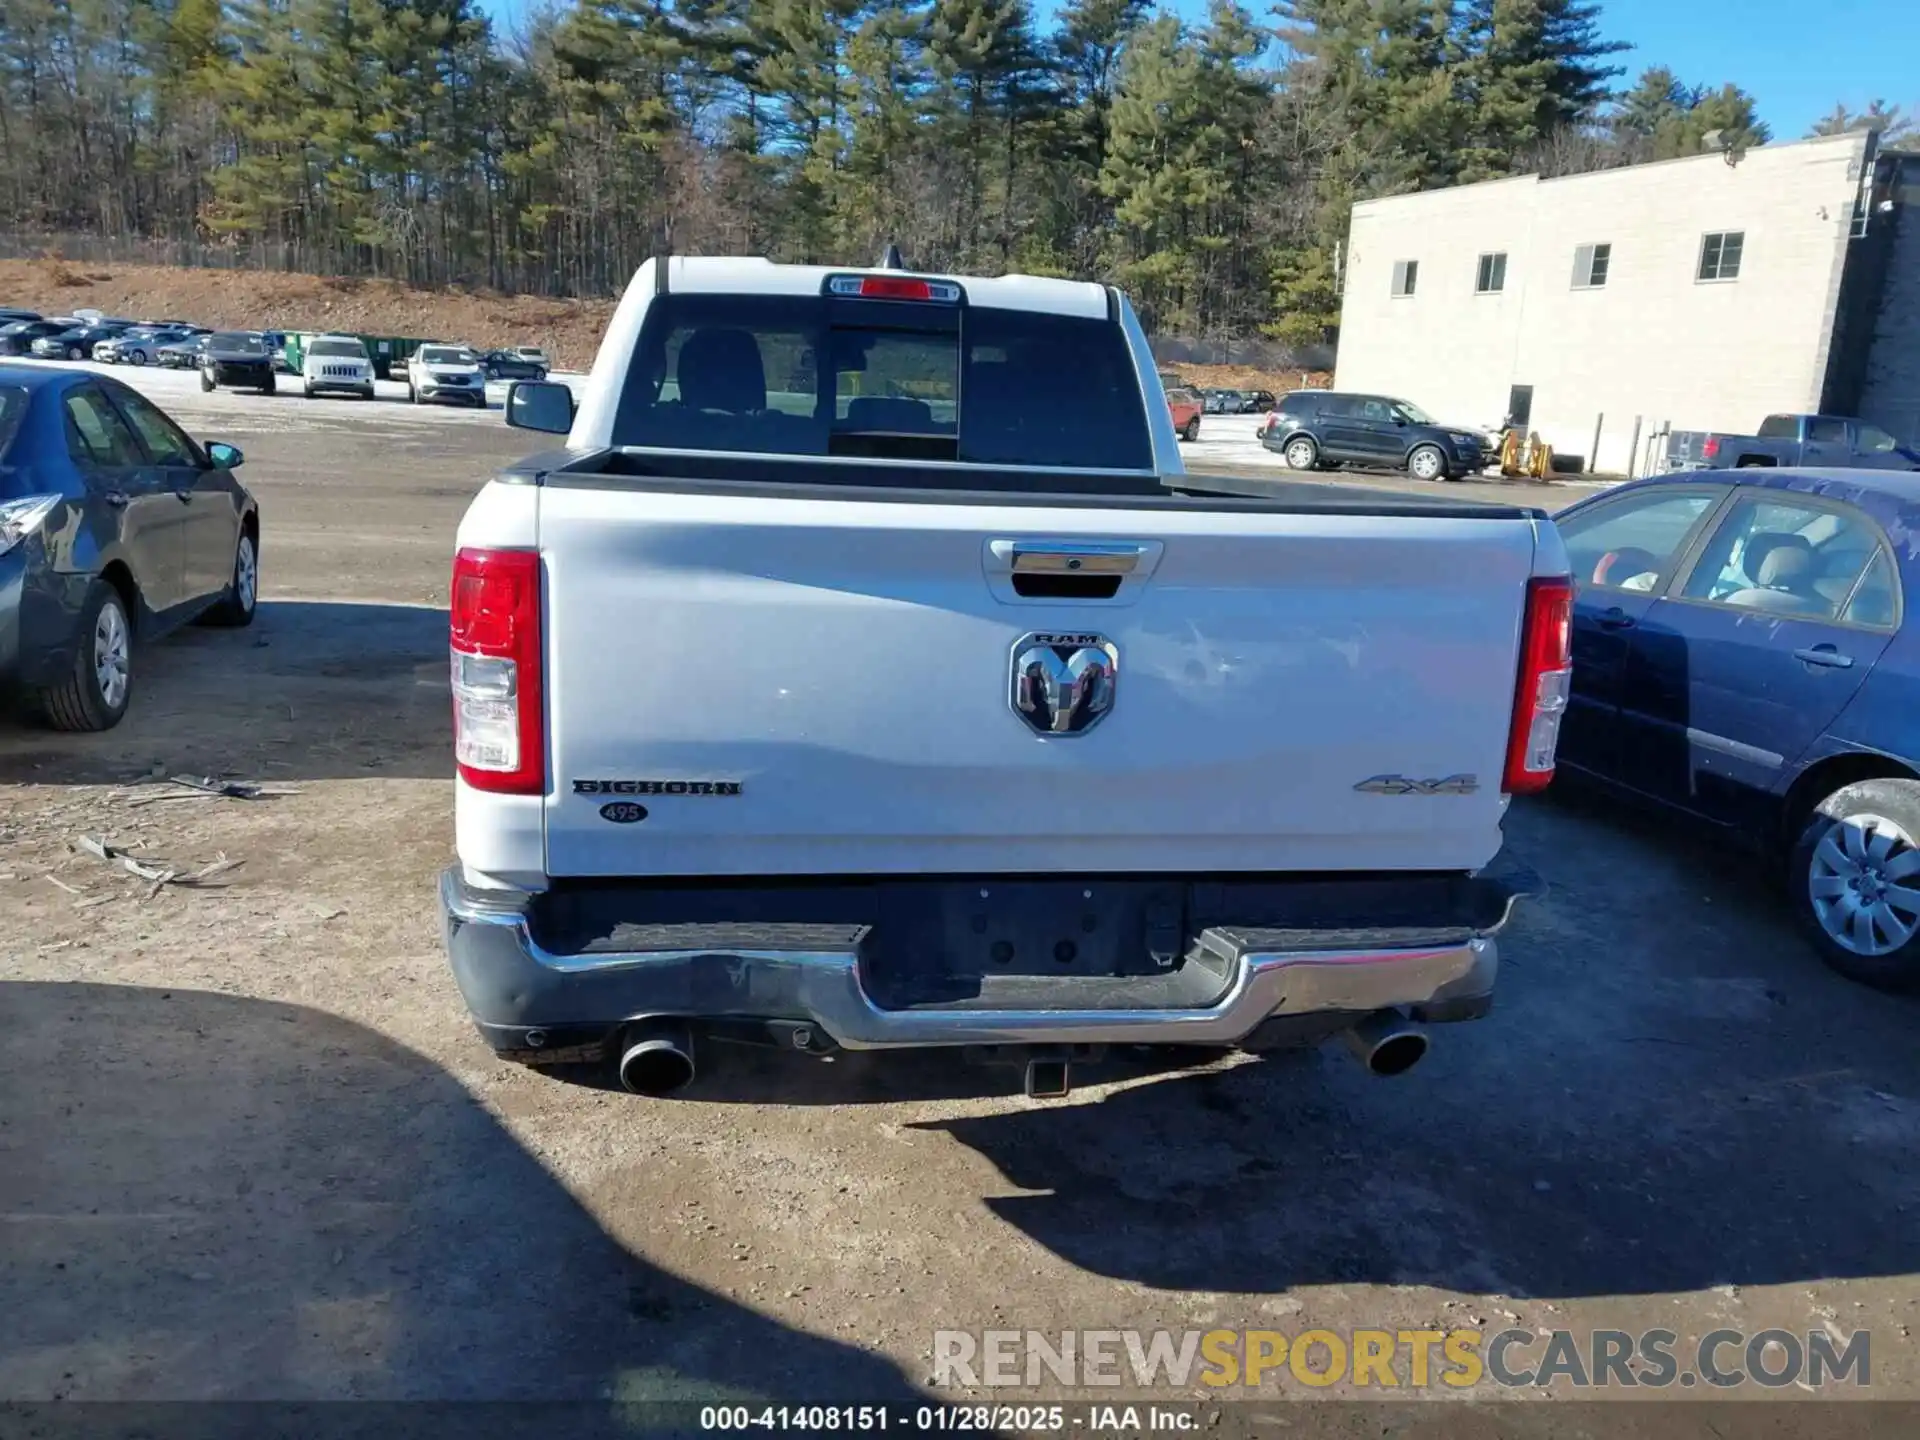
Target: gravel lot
x=249 y=1146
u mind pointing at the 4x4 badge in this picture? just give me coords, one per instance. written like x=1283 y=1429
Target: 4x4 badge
x=1401 y=785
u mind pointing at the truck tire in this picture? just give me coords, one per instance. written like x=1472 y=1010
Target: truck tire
x=95 y=691
x=1854 y=882
x=1427 y=462
x=1301 y=453
x=1192 y=431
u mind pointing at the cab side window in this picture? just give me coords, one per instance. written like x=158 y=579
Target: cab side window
x=1627 y=545
x=163 y=438
x=96 y=435
x=1789 y=558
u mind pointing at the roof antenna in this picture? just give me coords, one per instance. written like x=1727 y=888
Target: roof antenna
x=891 y=260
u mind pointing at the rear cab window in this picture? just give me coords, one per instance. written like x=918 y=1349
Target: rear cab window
x=833 y=376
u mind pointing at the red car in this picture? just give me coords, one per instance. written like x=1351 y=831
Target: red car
x=1186 y=405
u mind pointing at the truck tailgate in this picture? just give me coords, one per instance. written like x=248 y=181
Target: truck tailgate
x=767 y=686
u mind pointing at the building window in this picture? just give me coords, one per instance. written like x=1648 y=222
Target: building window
x=1492 y=277
x=1720 y=255
x=1590 y=264
x=1405 y=274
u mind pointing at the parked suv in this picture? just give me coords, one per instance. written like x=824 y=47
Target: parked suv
x=446 y=372
x=1320 y=428
x=339 y=363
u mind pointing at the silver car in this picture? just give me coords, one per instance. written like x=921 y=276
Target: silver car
x=139 y=346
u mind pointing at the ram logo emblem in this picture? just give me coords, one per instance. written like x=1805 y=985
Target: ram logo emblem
x=1063 y=684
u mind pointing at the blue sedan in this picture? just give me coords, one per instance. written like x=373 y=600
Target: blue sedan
x=115 y=527
x=1740 y=657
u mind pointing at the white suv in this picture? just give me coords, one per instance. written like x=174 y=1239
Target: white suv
x=337 y=362
x=446 y=372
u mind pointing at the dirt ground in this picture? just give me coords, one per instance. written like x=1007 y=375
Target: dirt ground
x=1243 y=377
x=251 y=1149
x=569 y=330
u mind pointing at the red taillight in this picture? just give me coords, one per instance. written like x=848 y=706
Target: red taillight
x=893 y=287
x=1540 y=696
x=888 y=287
x=1711 y=448
x=499 y=740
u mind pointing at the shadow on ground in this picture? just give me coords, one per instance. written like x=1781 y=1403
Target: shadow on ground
x=1671 y=1094
x=740 y=1074
x=312 y=690
x=205 y=1196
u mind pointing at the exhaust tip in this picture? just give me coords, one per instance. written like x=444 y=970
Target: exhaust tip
x=1398 y=1053
x=656 y=1060
x=1388 y=1043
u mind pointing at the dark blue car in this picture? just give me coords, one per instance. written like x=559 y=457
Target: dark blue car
x=115 y=527
x=1740 y=656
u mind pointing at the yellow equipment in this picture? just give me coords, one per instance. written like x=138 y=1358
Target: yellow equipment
x=1525 y=456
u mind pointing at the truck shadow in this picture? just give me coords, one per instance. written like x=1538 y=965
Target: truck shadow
x=313 y=690
x=211 y=1197
x=1671 y=1094
x=736 y=1074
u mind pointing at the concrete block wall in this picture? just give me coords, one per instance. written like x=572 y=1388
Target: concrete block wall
x=1655 y=344
x=1891 y=395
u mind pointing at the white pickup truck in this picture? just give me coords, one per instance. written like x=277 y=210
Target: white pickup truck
x=867 y=673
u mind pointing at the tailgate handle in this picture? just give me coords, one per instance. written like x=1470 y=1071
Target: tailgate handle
x=1068 y=557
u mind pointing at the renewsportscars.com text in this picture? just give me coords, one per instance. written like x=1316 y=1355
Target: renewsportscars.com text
x=1399 y=1359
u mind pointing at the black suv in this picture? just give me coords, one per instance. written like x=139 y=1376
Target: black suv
x=1319 y=428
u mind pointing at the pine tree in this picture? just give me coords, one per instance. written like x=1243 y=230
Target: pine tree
x=1181 y=163
x=982 y=56
x=1887 y=120
x=1531 y=68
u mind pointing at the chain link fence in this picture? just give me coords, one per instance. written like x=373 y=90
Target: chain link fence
x=188 y=254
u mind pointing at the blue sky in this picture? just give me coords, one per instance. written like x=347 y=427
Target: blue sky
x=1796 y=60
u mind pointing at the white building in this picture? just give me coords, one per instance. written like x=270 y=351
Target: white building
x=1696 y=294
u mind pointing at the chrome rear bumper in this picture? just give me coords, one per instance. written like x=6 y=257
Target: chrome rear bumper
x=517 y=989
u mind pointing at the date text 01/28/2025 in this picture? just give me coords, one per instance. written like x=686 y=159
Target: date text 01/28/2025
x=978 y=1419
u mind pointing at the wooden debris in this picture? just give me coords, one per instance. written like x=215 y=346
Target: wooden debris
x=158 y=875
x=203 y=787
x=56 y=880
x=232 y=789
